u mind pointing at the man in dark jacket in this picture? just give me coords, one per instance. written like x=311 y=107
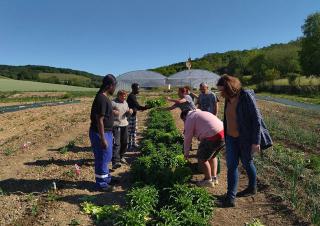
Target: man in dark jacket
x=135 y=106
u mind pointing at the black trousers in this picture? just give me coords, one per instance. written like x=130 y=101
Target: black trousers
x=120 y=143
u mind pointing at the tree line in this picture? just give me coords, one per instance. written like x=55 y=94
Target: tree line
x=290 y=60
x=31 y=72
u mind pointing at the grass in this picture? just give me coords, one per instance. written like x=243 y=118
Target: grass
x=64 y=77
x=8 y=97
x=287 y=171
x=7 y=85
x=303 y=99
x=302 y=81
x=292 y=126
x=8 y=151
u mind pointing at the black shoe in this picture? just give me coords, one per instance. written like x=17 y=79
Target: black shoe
x=109 y=188
x=228 y=202
x=116 y=165
x=114 y=181
x=247 y=192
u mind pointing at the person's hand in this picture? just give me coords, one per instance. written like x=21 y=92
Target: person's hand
x=104 y=144
x=255 y=148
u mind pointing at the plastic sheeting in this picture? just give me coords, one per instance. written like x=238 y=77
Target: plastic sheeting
x=193 y=78
x=143 y=78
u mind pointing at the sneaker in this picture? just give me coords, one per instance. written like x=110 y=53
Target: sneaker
x=123 y=160
x=228 y=202
x=205 y=183
x=215 y=180
x=247 y=192
x=116 y=165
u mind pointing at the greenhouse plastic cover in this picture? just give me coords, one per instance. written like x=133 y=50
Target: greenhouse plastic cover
x=143 y=78
x=193 y=78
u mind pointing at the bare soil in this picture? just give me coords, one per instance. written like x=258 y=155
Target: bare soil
x=35 y=138
x=30 y=161
x=264 y=206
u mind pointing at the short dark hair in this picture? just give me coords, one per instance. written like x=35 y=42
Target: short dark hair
x=107 y=81
x=134 y=86
x=184 y=113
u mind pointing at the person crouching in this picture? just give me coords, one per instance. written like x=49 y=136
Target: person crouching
x=208 y=128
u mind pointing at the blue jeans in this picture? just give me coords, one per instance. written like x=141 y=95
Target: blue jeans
x=102 y=157
x=236 y=151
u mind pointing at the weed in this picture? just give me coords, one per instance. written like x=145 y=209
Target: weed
x=254 y=222
x=74 y=222
x=2 y=192
x=63 y=150
x=69 y=173
x=8 y=151
x=51 y=196
x=34 y=209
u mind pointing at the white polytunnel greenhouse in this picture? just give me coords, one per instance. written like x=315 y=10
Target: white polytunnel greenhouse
x=193 y=78
x=146 y=79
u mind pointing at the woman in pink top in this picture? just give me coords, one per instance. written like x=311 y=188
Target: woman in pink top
x=207 y=128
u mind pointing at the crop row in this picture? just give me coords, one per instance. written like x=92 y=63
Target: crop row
x=296 y=176
x=161 y=194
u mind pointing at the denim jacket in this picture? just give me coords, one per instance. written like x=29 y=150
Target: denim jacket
x=251 y=127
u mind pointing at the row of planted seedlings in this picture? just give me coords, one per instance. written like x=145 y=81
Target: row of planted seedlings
x=161 y=194
x=296 y=175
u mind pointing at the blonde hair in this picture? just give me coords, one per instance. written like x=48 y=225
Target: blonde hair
x=121 y=92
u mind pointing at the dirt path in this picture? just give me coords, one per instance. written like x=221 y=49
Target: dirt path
x=261 y=206
x=27 y=175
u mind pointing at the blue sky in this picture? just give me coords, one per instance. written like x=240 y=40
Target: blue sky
x=117 y=36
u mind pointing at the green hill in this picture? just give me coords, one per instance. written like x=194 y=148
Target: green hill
x=51 y=75
x=281 y=58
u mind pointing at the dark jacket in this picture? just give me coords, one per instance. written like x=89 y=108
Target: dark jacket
x=134 y=105
x=252 y=129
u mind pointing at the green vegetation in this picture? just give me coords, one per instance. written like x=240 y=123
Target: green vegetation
x=292 y=167
x=310 y=51
x=160 y=195
x=296 y=180
x=303 y=99
x=254 y=222
x=8 y=151
x=6 y=97
x=7 y=85
x=294 y=126
x=51 y=75
x=155 y=103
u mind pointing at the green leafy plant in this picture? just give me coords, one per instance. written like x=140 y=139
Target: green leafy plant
x=74 y=222
x=8 y=151
x=254 y=222
x=155 y=103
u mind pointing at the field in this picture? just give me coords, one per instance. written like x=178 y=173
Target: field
x=41 y=146
x=7 y=85
x=302 y=81
x=64 y=77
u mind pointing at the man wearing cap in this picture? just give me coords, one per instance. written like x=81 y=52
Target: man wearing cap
x=100 y=132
